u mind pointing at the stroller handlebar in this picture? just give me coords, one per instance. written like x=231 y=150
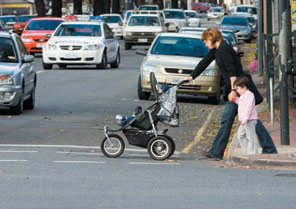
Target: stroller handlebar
x=182 y=82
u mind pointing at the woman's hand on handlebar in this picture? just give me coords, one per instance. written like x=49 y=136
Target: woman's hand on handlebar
x=189 y=79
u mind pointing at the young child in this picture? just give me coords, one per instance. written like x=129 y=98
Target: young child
x=247 y=116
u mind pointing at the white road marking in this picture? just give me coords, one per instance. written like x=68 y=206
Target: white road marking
x=146 y=163
x=17 y=151
x=87 y=162
x=13 y=160
x=80 y=153
x=49 y=146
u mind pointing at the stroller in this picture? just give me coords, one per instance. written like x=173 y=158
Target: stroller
x=141 y=130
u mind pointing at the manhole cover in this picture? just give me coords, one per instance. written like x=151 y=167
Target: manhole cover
x=286 y=175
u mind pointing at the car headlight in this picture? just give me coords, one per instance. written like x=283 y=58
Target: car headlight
x=92 y=47
x=128 y=33
x=52 y=46
x=210 y=72
x=26 y=40
x=147 y=69
x=6 y=80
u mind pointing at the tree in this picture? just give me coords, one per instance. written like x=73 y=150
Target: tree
x=107 y=4
x=77 y=7
x=99 y=7
x=116 y=6
x=56 y=8
x=40 y=7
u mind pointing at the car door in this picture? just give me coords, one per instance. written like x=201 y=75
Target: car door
x=26 y=68
x=110 y=43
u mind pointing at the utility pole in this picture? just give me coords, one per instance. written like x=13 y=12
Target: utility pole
x=260 y=37
x=284 y=96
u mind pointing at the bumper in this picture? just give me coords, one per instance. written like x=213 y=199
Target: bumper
x=194 y=24
x=72 y=57
x=139 y=40
x=35 y=46
x=15 y=92
x=243 y=36
x=203 y=85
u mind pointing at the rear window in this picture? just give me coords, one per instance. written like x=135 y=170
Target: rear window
x=174 y=14
x=235 y=21
x=111 y=19
x=7 y=51
x=79 y=30
x=4 y=20
x=25 y=18
x=43 y=24
x=190 y=14
x=251 y=10
x=143 y=21
x=180 y=46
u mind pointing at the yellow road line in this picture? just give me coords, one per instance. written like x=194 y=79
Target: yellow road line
x=199 y=134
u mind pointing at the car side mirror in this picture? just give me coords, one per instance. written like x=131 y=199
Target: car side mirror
x=240 y=54
x=48 y=35
x=141 y=52
x=28 y=59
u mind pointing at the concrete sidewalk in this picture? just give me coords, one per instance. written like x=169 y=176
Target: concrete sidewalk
x=286 y=157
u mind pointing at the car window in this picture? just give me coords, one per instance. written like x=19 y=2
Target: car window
x=108 y=32
x=235 y=21
x=147 y=8
x=216 y=9
x=190 y=14
x=24 y=18
x=7 y=50
x=111 y=19
x=43 y=24
x=251 y=10
x=180 y=46
x=4 y=20
x=143 y=21
x=78 y=30
x=21 y=46
x=174 y=14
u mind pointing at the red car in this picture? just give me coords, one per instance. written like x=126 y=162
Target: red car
x=21 y=22
x=200 y=7
x=36 y=32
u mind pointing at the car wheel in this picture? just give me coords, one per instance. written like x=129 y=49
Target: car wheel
x=104 y=61
x=30 y=103
x=19 y=108
x=141 y=94
x=127 y=46
x=47 y=66
x=117 y=61
x=62 y=65
x=214 y=100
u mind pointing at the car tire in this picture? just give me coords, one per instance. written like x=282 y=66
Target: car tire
x=141 y=94
x=62 y=66
x=116 y=63
x=19 y=108
x=47 y=66
x=103 y=64
x=127 y=46
x=30 y=103
x=214 y=100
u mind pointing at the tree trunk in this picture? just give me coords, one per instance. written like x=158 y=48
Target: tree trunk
x=107 y=4
x=56 y=8
x=160 y=4
x=40 y=7
x=174 y=4
x=77 y=7
x=99 y=7
x=116 y=6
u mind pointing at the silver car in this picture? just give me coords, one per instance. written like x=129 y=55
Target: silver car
x=17 y=74
x=239 y=24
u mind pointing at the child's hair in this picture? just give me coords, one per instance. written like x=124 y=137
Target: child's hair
x=241 y=81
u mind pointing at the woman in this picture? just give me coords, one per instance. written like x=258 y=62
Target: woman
x=230 y=68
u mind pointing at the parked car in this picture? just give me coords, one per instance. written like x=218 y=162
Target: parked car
x=173 y=57
x=21 y=22
x=128 y=13
x=37 y=31
x=114 y=21
x=87 y=43
x=18 y=77
x=215 y=13
x=148 y=7
x=142 y=29
x=8 y=21
x=175 y=19
x=239 y=24
x=192 y=17
x=246 y=10
x=200 y=7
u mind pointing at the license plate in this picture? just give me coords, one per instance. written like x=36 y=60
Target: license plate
x=143 y=40
x=70 y=56
x=40 y=45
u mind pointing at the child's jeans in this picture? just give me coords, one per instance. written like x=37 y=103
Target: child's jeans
x=247 y=137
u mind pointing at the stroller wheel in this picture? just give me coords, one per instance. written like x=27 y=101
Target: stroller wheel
x=112 y=147
x=160 y=148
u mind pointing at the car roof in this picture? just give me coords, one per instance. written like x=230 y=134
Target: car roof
x=144 y=15
x=186 y=35
x=149 y=5
x=82 y=23
x=193 y=28
x=190 y=10
x=173 y=10
x=111 y=15
x=47 y=18
x=7 y=16
x=242 y=5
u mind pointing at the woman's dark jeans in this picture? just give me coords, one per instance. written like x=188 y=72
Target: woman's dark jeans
x=222 y=137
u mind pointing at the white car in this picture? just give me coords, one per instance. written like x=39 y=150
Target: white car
x=82 y=42
x=175 y=19
x=246 y=10
x=215 y=13
x=192 y=17
x=114 y=22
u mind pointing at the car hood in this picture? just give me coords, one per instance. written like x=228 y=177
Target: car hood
x=8 y=68
x=182 y=62
x=28 y=33
x=74 y=39
x=143 y=28
x=113 y=25
x=234 y=27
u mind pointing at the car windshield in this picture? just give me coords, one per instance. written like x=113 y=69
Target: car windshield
x=174 y=15
x=43 y=24
x=111 y=19
x=7 y=51
x=251 y=20
x=143 y=21
x=7 y=19
x=235 y=21
x=79 y=30
x=190 y=14
x=251 y=10
x=216 y=9
x=148 y=8
x=180 y=46
x=24 y=18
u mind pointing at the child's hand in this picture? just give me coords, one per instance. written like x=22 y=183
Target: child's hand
x=242 y=123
